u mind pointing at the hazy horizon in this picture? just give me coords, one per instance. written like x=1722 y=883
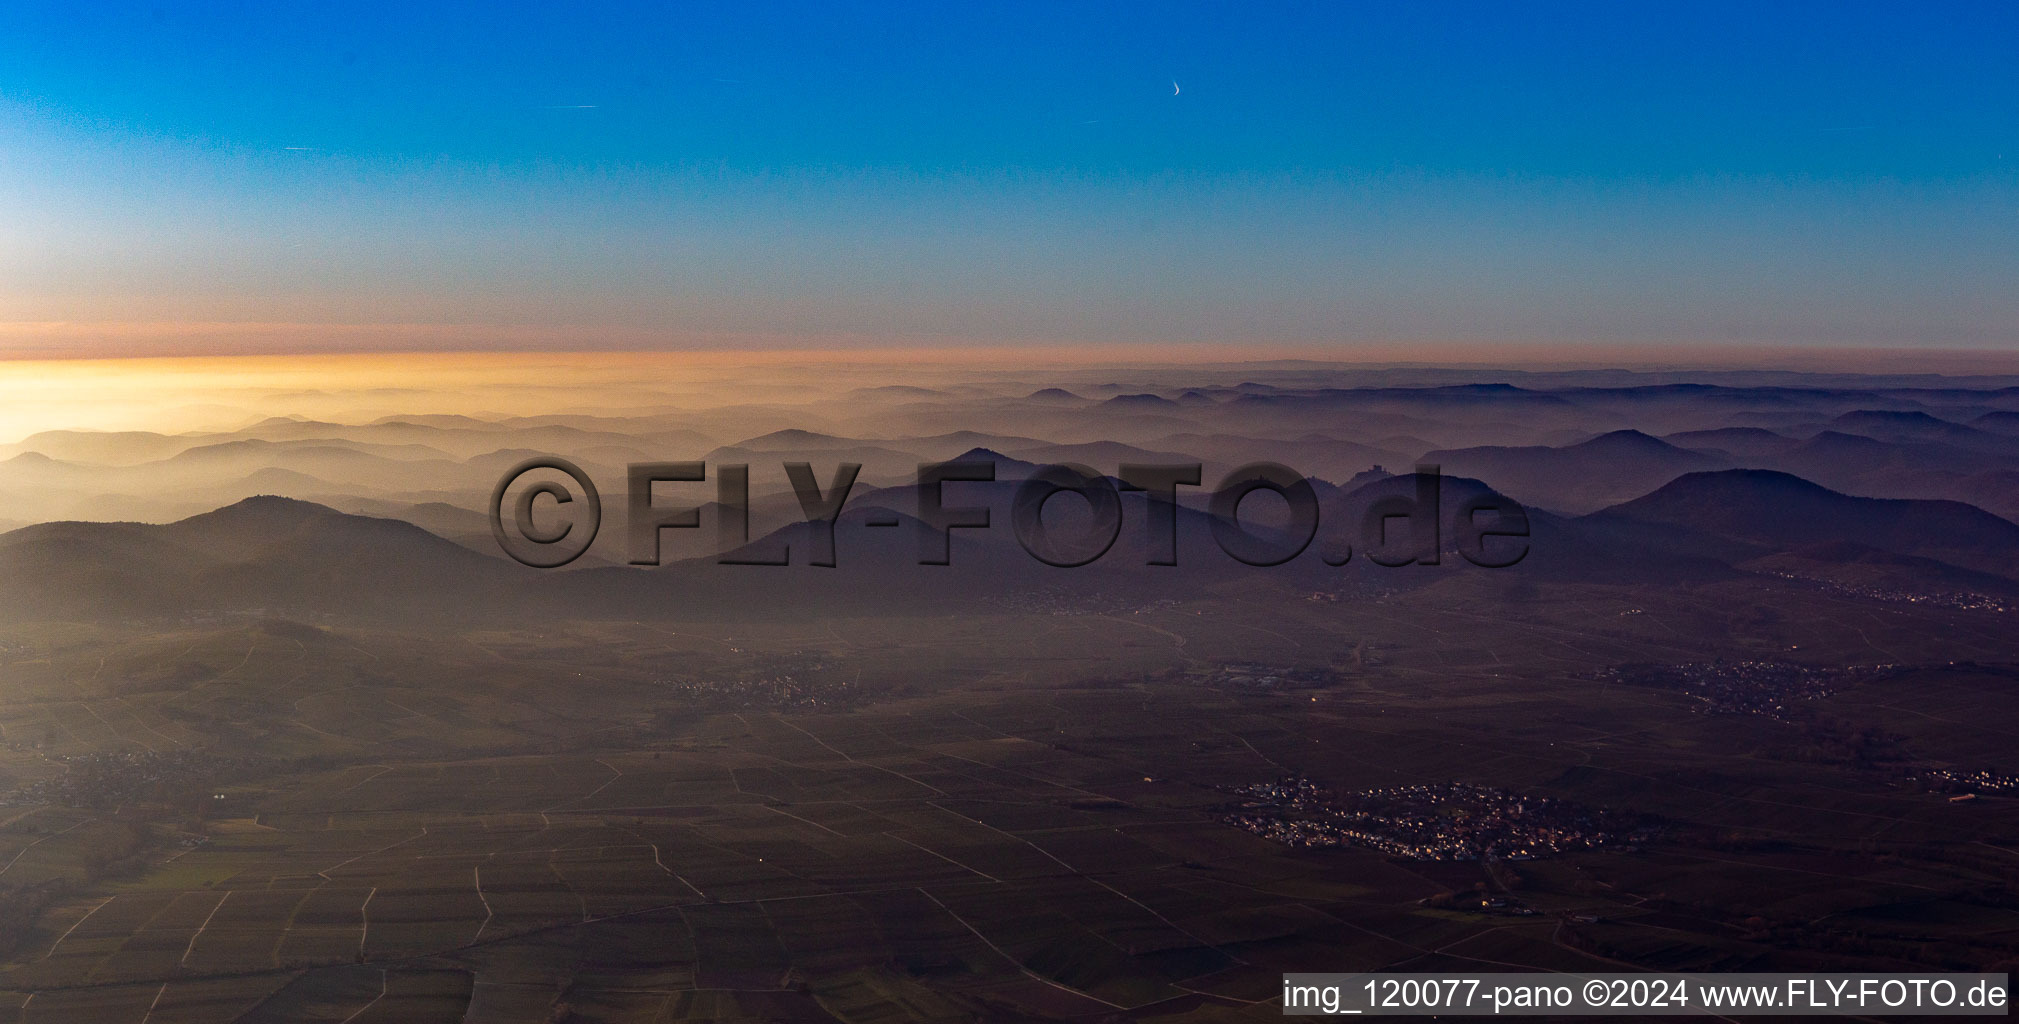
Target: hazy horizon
x=175 y=394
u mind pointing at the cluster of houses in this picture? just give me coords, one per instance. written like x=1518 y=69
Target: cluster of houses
x=1446 y=821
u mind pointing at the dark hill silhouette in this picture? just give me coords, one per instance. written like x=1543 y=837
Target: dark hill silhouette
x=1745 y=513
x=262 y=553
x=1918 y=427
x=1581 y=477
x=271 y=555
x=90 y=571
x=1054 y=395
x=26 y=459
x=795 y=440
x=1006 y=467
x=1739 y=441
x=1864 y=465
x=1140 y=402
x=2002 y=421
x=110 y=447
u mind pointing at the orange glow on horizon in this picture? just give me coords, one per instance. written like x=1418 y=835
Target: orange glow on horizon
x=64 y=341
x=216 y=391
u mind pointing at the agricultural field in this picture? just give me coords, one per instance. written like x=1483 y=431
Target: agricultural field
x=325 y=824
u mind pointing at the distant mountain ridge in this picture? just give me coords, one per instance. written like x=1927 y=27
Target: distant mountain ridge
x=285 y=556
x=1743 y=513
x=1582 y=477
x=263 y=552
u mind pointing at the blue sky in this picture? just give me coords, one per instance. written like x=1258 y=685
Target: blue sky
x=1324 y=174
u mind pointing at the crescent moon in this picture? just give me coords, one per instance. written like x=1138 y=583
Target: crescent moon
x=1174 y=88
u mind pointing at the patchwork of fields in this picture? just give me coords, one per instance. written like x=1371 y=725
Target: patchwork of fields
x=519 y=831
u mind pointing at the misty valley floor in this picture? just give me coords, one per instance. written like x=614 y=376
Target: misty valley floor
x=973 y=817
